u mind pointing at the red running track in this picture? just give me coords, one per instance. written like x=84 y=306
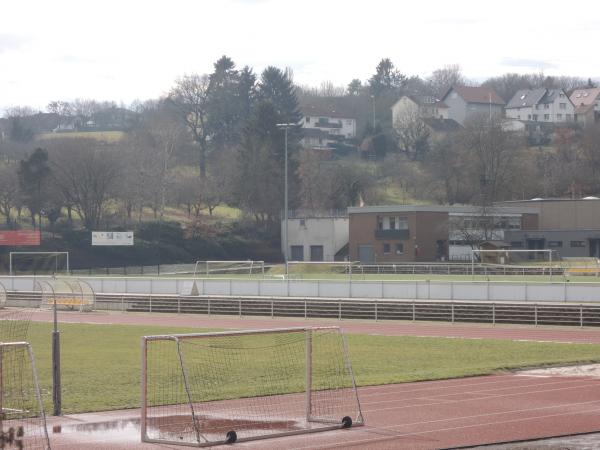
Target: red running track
x=425 y=415
x=513 y=332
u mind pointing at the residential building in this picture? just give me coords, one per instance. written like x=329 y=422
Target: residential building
x=421 y=106
x=327 y=120
x=541 y=105
x=316 y=235
x=408 y=233
x=465 y=102
x=587 y=105
x=440 y=128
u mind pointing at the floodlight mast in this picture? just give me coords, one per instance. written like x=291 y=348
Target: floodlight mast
x=285 y=127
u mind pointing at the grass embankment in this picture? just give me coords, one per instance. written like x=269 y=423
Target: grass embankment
x=101 y=363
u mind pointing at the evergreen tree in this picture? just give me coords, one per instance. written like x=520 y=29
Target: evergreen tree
x=34 y=174
x=387 y=79
x=275 y=86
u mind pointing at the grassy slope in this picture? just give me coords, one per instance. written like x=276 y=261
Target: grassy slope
x=101 y=363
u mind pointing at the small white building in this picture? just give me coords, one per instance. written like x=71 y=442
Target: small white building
x=421 y=106
x=316 y=236
x=587 y=105
x=326 y=122
x=541 y=105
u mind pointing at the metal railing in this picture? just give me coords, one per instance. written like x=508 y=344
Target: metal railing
x=580 y=315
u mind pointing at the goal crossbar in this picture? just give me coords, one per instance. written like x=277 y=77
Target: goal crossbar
x=11 y=254
x=328 y=399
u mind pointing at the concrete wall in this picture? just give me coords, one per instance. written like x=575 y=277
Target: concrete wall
x=330 y=232
x=418 y=290
x=565 y=214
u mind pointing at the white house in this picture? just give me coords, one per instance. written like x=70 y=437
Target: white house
x=327 y=122
x=541 y=105
x=422 y=106
x=316 y=236
x=465 y=102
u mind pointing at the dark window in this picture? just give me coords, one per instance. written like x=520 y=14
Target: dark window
x=392 y=223
x=555 y=244
x=302 y=222
x=307 y=119
x=399 y=248
x=297 y=253
x=316 y=253
x=577 y=243
x=516 y=244
x=379 y=223
x=386 y=249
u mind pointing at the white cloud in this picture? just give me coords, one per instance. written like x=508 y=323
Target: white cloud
x=123 y=50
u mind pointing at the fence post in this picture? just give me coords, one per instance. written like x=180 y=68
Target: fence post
x=272 y=315
x=122 y=304
x=535 y=311
x=305 y=308
x=493 y=314
x=581 y=316
x=452 y=309
x=150 y=297
x=376 y=315
x=414 y=315
x=339 y=310
x=208 y=306
x=240 y=307
x=178 y=304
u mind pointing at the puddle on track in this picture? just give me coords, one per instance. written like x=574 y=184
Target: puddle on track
x=115 y=430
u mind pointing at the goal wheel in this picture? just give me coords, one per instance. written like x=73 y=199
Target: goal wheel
x=231 y=437
x=346 y=422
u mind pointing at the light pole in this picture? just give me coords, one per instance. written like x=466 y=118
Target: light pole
x=285 y=127
x=373 y=101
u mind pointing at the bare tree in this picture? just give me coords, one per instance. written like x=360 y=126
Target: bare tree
x=445 y=77
x=9 y=191
x=86 y=173
x=190 y=96
x=412 y=134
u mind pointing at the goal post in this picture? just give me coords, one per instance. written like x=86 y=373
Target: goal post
x=22 y=417
x=38 y=262
x=224 y=387
x=224 y=268
x=302 y=269
x=506 y=257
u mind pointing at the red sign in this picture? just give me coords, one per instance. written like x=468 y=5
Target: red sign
x=14 y=238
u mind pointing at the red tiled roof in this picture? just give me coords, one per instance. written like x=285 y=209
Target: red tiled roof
x=584 y=97
x=476 y=94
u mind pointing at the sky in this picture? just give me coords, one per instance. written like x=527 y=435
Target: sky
x=128 y=49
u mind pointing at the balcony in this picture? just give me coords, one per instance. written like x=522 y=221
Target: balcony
x=392 y=234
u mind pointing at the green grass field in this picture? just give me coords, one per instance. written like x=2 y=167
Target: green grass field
x=101 y=363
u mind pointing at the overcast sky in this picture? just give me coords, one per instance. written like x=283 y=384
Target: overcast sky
x=128 y=49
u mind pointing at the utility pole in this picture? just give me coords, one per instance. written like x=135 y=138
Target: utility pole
x=285 y=127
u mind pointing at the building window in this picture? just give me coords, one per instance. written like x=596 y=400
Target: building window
x=528 y=116
x=559 y=117
x=554 y=244
x=516 y=244
x=562 y=105
x=392 y=223
x=302 y=222
x=546 y=106
x=399 y=248
x=577 y=243
x=297 y=253
x=307 y=119
x=386 y=249
x=316 y=253
x=561 y=95
x=535 y=117
x=546 y=116
x=379 y=223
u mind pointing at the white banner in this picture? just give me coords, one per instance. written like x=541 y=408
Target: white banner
x=112 y=237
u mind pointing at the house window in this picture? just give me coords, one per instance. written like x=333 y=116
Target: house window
x=546 y=105
x=554 y=244
x=379 y=223
x=535 y=117
x=546 y=116
x=516 y=244
x=316 y=253
x=537 y=106
x=559 y=117
x=562 y=106
x=577 y=243
x=302 y=222
x=528 y=116
x=307 y=119
x=399 y=248
x=561 y=95
x=392 y=223
x=297 y=253
x=386 y=249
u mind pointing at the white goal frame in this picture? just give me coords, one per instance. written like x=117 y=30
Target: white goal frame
x=260 y=265
x=545 y=250
x=347 y=264
x=10 y=261
x=177 y=338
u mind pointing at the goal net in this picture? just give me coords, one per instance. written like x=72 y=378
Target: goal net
x=38 y=263
x=22 y=418
x=65 y=293
x=515 y=257
x=214 y=388
x=227 y=268
x=319 y=269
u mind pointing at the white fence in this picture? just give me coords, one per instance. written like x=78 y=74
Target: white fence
x=415 y=290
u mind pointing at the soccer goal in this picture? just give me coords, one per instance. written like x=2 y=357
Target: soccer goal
x=322 y=269
x=224 y=268
x=22 y=418
x=217 y=388
x=38 y=263
x=2 y=296
x=65 y=293
x=544 y=259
